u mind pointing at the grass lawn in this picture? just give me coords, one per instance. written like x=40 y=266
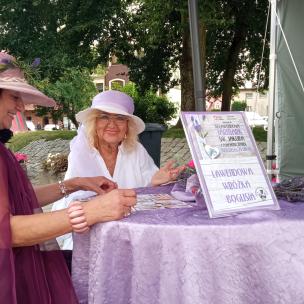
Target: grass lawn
x=259 y=134
x=174 y=133
x=21 y=140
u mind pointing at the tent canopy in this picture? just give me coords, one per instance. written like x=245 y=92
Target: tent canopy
x=289 y=95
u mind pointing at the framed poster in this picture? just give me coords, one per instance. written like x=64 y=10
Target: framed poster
x=231 y=172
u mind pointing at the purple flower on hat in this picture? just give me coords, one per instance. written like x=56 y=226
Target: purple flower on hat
x=12 y=77
x=5 y=61
x=36 y=62
x=5 y=64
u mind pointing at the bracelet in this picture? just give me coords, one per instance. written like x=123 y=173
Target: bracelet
x=63 y=188
x=77 y=217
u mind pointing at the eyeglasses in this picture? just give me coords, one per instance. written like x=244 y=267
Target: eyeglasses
x=117 y=119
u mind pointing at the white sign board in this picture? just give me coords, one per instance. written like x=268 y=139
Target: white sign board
x=228 y=164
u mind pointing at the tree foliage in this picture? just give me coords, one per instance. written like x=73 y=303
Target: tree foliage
x=234 y=47
x=238 y=106
x=60 y=32
x=150 y=107
x=73 y=91
x=150 y=42
x=54 y=32
x=154 y=41
x=150 y=36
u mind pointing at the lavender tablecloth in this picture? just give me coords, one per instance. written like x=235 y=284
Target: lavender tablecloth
x=181 y=256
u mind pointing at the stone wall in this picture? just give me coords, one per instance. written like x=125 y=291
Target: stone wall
x=177 y=148
x=38 y=151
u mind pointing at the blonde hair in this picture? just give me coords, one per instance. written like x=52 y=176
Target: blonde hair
x=89 y=123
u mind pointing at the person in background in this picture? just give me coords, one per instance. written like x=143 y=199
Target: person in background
x=107 y=144
x=32 y=267
x=60 y=125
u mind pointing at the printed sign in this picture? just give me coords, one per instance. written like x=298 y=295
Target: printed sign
x=229 y=167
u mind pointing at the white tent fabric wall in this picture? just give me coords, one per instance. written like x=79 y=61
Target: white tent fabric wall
x=290 y=95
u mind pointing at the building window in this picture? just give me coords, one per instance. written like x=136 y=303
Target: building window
x=249 y=96
x=99 y=86
x=116 y=83
x=263 y=96
x=45 y=120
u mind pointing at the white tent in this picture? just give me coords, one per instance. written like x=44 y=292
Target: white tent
x=286 y=91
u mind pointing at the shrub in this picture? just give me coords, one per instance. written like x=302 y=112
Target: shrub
x=150 y=107
x=239 y=106
x=56 y=163
x=259 y=134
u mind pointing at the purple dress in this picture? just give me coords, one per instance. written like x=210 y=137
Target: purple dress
x=30 y=274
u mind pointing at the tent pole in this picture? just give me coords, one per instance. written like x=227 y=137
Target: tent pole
x=196 y=57
x=271 y=93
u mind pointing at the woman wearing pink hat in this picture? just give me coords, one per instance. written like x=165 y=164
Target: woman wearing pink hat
x=107 y=144
x=32 y=268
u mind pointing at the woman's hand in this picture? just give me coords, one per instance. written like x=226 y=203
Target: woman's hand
x=98 y=184
x=108 y=207
x=166 y=174
x=111 y=206
x=49 y=193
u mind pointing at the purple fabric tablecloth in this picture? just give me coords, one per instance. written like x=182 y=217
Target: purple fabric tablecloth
x=181 y=256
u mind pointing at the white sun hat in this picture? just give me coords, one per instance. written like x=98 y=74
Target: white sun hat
x=114 y=102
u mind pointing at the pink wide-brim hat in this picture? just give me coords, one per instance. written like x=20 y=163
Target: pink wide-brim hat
x=114 y=102
x=13 y=79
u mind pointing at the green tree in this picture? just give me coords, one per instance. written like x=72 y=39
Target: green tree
x=234 y=47
x=29 y=29
x=154 y=40
x=150 y=36
x=73 y=92
x=150 y=107
x=60 y=32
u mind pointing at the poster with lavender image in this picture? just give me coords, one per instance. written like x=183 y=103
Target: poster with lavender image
x=231 y=173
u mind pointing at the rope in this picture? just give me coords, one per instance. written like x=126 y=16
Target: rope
x=261 y=62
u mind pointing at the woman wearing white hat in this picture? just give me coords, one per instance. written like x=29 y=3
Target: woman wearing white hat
x=32 y=268
x=107 y=145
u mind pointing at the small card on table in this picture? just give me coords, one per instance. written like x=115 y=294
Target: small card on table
x=158 y=201
x=231 y=173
